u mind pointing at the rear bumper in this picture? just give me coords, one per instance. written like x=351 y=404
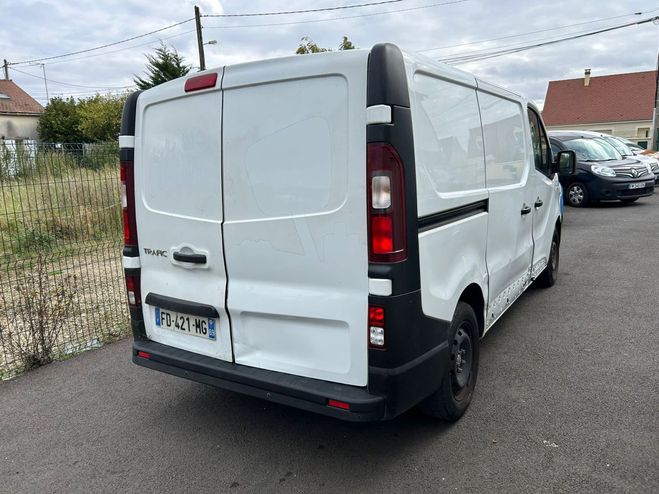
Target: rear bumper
x=396 y=385
x=308 y=394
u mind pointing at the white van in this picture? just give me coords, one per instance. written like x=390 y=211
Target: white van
x=333 y=232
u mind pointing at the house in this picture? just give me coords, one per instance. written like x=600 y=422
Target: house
x=619 y=104
x=19 y=112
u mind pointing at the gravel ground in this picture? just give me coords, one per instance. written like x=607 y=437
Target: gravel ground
x=566 y=401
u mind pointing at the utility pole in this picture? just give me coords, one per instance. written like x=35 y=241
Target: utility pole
x=200 y=39
x=45 y=81
x=5 y=67
x=654 y=131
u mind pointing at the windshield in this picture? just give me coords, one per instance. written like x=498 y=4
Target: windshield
x=630 y=144
x=591 y=150
x=620 y=146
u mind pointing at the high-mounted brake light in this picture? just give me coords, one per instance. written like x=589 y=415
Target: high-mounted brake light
x=376 y=327
x=386 y=204
x=128 y=203
x=201 y=82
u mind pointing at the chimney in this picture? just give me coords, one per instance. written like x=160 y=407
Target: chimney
x=586 y=77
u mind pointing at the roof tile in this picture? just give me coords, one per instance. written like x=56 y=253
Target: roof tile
x=19 y=101
x=609 y=98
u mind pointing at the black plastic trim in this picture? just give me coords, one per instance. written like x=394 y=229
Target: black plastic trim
x=137 y=323
x=180 y=305
x=301 y=392
x=128 y=115
x=387 y=85
x=191 y=258
x=443 y=218
x=131 y=251
x=126 y=154
x=387 y=81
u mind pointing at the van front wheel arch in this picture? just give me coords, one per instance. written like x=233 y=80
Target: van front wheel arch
x=452 y=398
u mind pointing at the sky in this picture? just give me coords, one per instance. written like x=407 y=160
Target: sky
x=49 y=28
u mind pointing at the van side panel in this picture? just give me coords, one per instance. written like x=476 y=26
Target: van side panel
x=295 y=224
x=451 y=195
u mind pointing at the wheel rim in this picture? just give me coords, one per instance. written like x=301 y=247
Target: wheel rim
x=462 y=361
x=576 y=194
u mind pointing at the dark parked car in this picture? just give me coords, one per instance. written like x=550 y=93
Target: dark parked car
x=601 y=172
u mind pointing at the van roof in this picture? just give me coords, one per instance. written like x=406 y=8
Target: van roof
x=413 y=61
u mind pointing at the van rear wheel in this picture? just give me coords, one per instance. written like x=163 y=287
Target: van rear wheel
x=452 y=398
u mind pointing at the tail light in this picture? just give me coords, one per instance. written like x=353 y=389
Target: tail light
x=128 y=203
x=376 y=327
x=133 y=289
x=386 y=204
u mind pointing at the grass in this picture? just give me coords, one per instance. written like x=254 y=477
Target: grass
x=57 y=205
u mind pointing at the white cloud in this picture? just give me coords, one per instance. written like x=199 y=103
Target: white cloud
x=41 y=28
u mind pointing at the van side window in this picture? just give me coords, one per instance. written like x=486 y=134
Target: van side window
x=539 y=142
x=449 y=146
x=505 y=146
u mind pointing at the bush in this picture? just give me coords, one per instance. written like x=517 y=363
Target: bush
x=46 y=300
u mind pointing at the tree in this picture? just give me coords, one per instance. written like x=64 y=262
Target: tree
x=346 y=44
x=165 y=65
x=60 y=121
x=307 y=45
x=100 y=117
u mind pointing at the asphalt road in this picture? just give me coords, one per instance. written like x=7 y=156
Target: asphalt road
x=566 y=401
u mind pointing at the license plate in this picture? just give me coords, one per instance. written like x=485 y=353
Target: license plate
x=637 y=186
x=202 y=327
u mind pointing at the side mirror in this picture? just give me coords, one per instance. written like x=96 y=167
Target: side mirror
x=566 y=163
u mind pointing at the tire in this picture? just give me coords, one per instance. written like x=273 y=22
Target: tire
x=630 y=200
x=549 y=275
x=577 y=195
x=452 y=398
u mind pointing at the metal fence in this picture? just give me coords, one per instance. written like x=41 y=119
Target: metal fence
x=61 y=280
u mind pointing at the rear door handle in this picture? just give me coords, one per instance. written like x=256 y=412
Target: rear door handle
x=525 y=209
x=538 y=203
x=191 y=258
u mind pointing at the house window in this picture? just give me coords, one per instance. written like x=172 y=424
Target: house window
x=643 y=132
x=4 y=96
x=603 y=131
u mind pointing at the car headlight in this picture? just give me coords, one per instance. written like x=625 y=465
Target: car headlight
x=603 y=171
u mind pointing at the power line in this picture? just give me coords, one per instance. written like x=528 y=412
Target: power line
x=101 y=46
x=497 y=53
x=382 y=2
x=288 y=12
x=310 y=21
x=534 y=32
x=122 y=49
x=511 y=46
x=67 y=83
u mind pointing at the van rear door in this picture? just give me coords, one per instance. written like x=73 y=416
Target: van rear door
x=178 y=184
x=294 y=175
